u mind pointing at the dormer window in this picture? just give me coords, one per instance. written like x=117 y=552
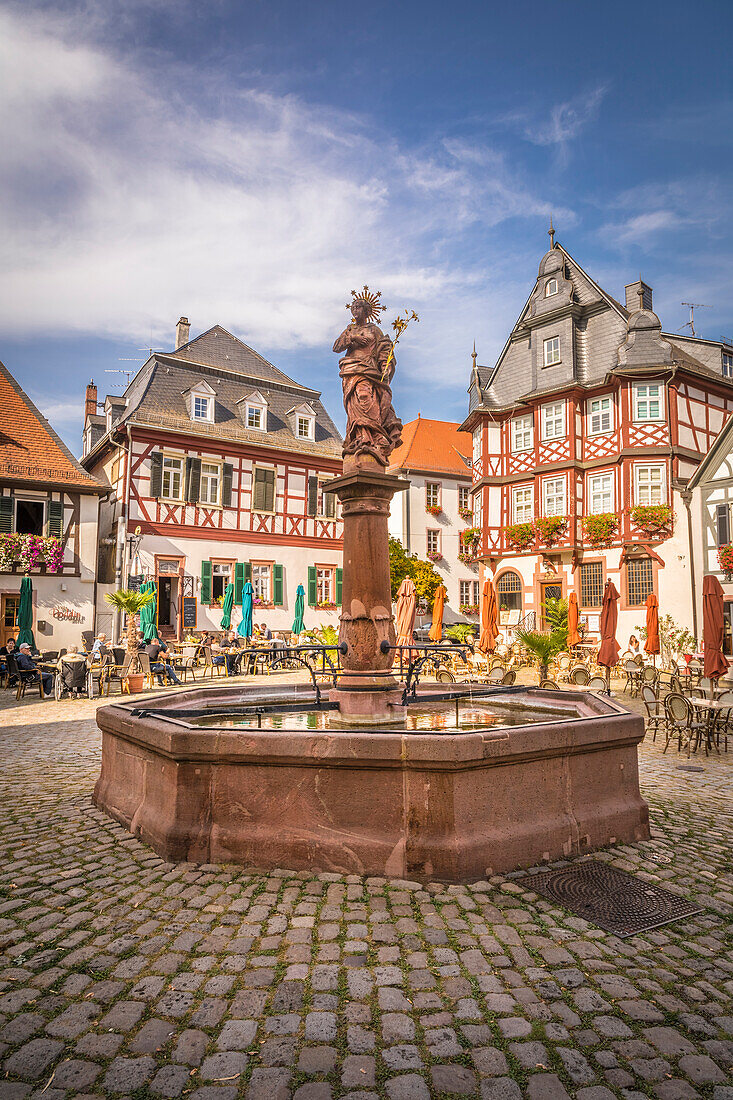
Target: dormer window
x=550 y=288
x=302 y=420
x=305 y=427
x=254 y=417
x=253 y=410
x=200 y=399
x=201 y=406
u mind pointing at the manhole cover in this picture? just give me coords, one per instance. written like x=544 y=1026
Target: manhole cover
x=689 y=768
x=612 y=899
x=657 y=857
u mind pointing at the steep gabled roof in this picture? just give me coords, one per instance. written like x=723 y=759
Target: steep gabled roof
x=30 y=450
x=219 y=348
x=435 y=446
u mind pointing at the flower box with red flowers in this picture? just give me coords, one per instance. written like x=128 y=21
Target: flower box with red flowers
x=598 y=530
x=468 y=608
x=468 y=557
x=550 y=529
x=725 y=558
x=466 y=514
x=520 y=536
x=655 y=520
x=433 y=509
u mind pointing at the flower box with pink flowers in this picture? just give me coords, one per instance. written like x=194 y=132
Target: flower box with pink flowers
x=30 y=552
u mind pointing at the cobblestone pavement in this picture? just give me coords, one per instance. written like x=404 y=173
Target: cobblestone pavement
x=123 y=975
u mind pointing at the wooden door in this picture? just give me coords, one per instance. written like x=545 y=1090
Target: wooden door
x=9 y=617
x=551 y=590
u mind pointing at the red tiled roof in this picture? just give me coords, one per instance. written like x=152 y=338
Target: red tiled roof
x=433 y=445
x=30 y=450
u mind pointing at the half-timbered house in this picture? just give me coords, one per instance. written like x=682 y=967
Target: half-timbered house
x=217 y=462
x=585 y=435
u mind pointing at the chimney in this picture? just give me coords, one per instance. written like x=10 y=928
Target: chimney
x=638 y=296
x=182 y=330
x=90 y=405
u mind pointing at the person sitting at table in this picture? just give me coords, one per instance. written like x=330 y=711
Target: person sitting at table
x=230 y=642
x=264 y=632
x=100 y=648
x=160 y=664
x=9 y=647
x=72 y=684
x=140 y=639
x=27 y=664
x=634 y=646
x=217 y=657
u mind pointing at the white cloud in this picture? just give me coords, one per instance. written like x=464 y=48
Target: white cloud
x=567 y=119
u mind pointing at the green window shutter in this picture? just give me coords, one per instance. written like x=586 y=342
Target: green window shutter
x=312 y=586
x=339 y=584
x=193 y=480
x=6 y=515
x=55 y=519
x=312 y=496
x=277 y=585
x=263 y=495
x=156 y=473
x=238 y=581
x=227 y=473
x=247 y=571
x=206 y=582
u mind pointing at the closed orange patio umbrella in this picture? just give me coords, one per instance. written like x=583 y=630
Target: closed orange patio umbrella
x=404 y=620
x=573 y=635
x=489 y=619
x=609 y=651
x=436 y=630
x=714 y=663
x=651 y=645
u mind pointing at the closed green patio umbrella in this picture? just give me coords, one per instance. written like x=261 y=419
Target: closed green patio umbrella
x=245 y=627
x=148 y=614
x=226 y=607
x=298 y=624
x=25 y=614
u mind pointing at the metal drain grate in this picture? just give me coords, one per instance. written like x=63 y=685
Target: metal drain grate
x=609 y=898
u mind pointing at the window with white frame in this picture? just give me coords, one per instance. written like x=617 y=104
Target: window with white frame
x=554 y=496
x=727 y=365
x=432 y=494
x=552 y=351
x=255 y=417
x=649 y=487
x=261 y=581
x=648 y=401
x=464 y=497
x=210 y=483
x=325 y=583
x=221 y=576
x=553 y=420
x=476 y=445
x=433 y=541
x=305 y=427
x=600 y=415
x=522 y=504
x=600 y=493
x=521 y=433
x=468 y=593
x=201 y=407
x=550 y=288
x=172 y=478
x=478 y=509
x=326 y=502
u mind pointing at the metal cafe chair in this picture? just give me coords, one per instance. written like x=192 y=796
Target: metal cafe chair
x=654 y=721
x=25 y=679
x=633 y=676
x=118 y=673
x=681 y=724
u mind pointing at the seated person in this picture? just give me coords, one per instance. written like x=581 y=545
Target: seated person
x=160 y=664
x=141 y=643
x=265 y=632
x=9 y=647
x=28 y=665
x=100 y=649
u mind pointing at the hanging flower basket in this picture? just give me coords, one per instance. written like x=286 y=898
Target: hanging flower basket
x=469 y=535
x=520 y=536
x=725 y=559
x=466 y=514
x=655 y=520
x=433 y=509
x=550 y=529
x=598 y=530
x=468 y=608
x=29 y=551
x=434 y=555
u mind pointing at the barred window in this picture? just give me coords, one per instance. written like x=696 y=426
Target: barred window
x=509 y=591
x=639 y=581
x=591 y=584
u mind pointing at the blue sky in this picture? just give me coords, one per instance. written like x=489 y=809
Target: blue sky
x=250 y=163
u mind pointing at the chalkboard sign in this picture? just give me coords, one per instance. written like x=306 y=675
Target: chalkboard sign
x=189 y=612
x=134 y=580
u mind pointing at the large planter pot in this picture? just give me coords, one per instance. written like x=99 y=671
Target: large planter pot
x=136 y=682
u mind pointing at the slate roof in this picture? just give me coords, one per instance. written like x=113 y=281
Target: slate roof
x=435 y=446
x=30 y=450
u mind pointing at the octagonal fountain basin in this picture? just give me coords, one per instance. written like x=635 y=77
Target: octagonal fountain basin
x=474 y=781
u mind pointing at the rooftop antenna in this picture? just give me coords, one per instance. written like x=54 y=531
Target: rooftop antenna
x=692 y=306
x=128 y=372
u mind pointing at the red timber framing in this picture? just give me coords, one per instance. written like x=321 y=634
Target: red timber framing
x=157 y=516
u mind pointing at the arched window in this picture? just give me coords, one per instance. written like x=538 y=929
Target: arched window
x=550 y=288
x=509 y=591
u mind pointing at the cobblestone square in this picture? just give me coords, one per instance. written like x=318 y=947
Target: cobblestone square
x=125 y=976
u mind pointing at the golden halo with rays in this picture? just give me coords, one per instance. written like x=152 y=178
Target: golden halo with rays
x=372 y=300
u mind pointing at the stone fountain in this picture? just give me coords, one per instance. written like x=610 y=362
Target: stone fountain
x=363 y=786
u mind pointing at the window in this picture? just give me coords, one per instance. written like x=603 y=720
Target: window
x=553 y=494
x=433 y=542
x=521 y=433
x=256 y=417
x=600 y=415
x=210 y=483
x=200 y=408
x=221 y=576
x=326 y=503
x=600 y=493
x=263 y=489
x=468 y=593
x=591 y=584
x=722 y=524
x=509 y=591
x=552 y=351
x=522 y=505
x=11 y=606
x=550 y=288
x=172 y=478
x=727 y=365
x=553 y=420
x=639 y=581
x=476 y=445
x=464 y=498
x=324 y=583
x=648 y=401
x=261 y=586
x=478 y=509
x=432 y=494
x=29 y=517
x=305 y=427
x=649 y=485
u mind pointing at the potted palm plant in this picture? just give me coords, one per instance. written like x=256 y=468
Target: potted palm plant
x=131 y=603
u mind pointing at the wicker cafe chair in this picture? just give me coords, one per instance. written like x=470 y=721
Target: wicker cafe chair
x=496 y=674
x=509 y=678
x=596 y=683
x=97 y=675
x=654 y=721
x=445 y=676
x=579 y=676
x=24 y=679
x=118 y=673
x=549 y=685
x=649 y=675
x=633 y=676
x=681 y=724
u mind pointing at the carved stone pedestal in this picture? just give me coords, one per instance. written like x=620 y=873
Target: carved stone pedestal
x=367 y=690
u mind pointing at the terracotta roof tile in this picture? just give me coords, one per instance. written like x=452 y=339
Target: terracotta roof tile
x=433 y=445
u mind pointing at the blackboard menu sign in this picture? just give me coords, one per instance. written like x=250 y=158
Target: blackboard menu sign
x=134 y=580
x=189 y=612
